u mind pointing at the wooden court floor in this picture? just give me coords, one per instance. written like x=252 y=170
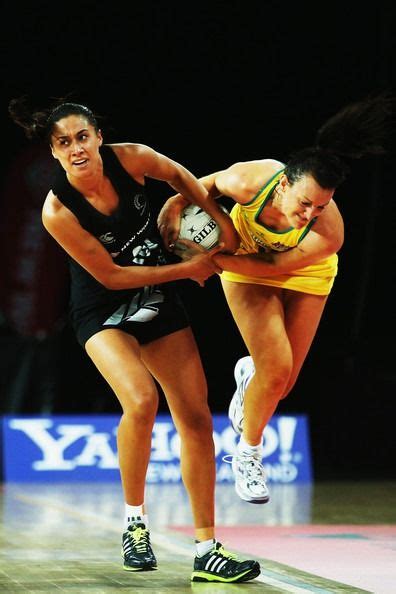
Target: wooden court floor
x=322 y=538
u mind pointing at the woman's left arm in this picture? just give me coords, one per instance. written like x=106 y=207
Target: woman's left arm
x=324 y=239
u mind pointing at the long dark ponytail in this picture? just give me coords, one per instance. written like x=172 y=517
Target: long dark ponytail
x=357 y=130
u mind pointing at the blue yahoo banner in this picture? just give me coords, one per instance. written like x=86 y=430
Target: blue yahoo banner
x=83 y=448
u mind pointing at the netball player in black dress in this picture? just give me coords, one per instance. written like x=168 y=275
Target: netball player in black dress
x=128 y=317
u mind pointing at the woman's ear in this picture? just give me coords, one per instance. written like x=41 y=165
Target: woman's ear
x=283 y=182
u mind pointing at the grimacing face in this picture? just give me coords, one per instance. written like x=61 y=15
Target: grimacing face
x=302 y=201
x=75 y=143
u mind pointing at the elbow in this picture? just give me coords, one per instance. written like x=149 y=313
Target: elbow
x=334 y=243
x=339 y=242
x=107 y=282
x=340 y=238
x=176 y=174
x=110 y=280
x=110 y=284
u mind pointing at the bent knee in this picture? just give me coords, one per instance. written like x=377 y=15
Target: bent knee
x=274 y=380
x=199 y=425
x=141 y=406
x=289 y=387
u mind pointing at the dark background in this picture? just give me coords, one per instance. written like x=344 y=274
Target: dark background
x=207 y=85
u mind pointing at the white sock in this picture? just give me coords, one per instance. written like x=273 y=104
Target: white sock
x=251 y=450
x=204 y=546
x=134 y=514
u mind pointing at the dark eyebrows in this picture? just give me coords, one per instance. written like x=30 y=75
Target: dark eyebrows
x=67 y=136
x=311 y=202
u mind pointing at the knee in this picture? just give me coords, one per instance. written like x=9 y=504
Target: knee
x=289 y=387
x=197 y=425
x=141 y=406
x=274 y=378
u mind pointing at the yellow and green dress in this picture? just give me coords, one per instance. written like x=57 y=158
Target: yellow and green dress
x=316 y=279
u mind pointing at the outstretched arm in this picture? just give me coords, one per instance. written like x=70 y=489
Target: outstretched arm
x=142 y=161
x=240 y=182
x=324 y=239
x=85 y=249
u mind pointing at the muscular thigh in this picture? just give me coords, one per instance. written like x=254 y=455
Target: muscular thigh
x=175 y=362
x=258 y=311
x=302 y=316
x=117 y=356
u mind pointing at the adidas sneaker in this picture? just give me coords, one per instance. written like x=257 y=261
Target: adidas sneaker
x=218 y=565
x=136 y=549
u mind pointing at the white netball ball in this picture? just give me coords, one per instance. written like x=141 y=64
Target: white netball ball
x=200 y=227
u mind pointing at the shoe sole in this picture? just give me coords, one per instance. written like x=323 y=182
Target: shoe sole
x=258 y=501
x=231 y=408
x=145 y=568
x=231 y=414
x=237 y=429
x=238 y=366
x=205 y=576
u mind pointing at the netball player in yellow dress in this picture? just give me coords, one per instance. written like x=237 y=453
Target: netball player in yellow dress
x=277 y=283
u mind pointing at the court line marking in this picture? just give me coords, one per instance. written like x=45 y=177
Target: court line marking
x=271 y=578
x=286 y=583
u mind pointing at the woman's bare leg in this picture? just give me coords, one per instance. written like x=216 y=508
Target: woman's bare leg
x=117 y=357
x=175 y=362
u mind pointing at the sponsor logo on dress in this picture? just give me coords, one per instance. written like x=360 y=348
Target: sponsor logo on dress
x=275 y=246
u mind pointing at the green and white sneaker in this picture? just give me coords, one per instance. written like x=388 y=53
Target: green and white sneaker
x=136 y=549
x=243 y=373
x=221 y=566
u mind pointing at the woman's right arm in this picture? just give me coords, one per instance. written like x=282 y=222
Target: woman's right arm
x=85 y=249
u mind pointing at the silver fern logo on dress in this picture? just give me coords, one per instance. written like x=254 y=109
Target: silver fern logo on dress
x=140 y=203
x=107 y=238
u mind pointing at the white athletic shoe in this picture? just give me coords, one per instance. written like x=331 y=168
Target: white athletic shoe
x=244 y=370
x=250 y=478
